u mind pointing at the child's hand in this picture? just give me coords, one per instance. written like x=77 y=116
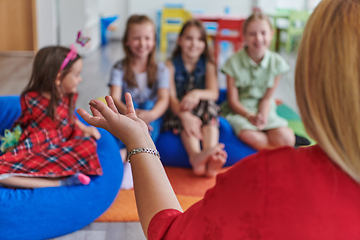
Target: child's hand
x=90 y=131
x=258 y=120
x=191 y=124
x=189 y=101
x=131 y=130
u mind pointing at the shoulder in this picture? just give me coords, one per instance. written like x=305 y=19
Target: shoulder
x=161 y=67
x=238 y=57
x=119 y=65
x=274 y=56
x=31 y=97
x=170 y=66
x=235 y=63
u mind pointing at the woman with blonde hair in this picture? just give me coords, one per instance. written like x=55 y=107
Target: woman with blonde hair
x=286 y=193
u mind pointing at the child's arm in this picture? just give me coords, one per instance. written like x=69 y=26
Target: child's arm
x=159 y=108
x=115 y=93
x=233 y=98
x=191 y=123
x=174 y=101
x=264 y=105
x=88 y=130
x=211 y=91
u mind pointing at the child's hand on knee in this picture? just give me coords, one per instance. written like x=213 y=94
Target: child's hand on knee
x=189 y=101
x=191 y=125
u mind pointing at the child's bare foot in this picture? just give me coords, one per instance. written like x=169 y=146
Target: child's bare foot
x=198 y=161
x=216 y=161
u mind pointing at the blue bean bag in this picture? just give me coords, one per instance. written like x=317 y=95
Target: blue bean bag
x=173 y=152
x=45 y=213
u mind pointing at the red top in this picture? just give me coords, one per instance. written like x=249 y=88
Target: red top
x=280 y=194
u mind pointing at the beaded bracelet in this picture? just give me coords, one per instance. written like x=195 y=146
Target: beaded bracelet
x=143 y=150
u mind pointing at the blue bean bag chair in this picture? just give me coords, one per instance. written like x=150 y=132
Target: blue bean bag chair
x=45 y=213
x=173 y=152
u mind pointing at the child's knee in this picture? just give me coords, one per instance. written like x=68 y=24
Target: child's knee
x=284 y=137
x=249 y=136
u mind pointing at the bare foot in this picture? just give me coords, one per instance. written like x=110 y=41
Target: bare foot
x=215 y=164
x=198 y=161
x=216 y=161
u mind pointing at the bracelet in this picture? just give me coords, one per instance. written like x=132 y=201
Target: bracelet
x=143 y=150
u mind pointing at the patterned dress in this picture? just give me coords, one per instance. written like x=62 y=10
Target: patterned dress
x=49 y=148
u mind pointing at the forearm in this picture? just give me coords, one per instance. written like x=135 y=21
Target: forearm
x=153 y=191
x=159 y=109
x=238 y=108
x=80 y=125
x=264 y=106
x=207 y=94
x=175 y=105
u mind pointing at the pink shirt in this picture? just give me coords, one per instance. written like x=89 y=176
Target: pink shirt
x=279 y=194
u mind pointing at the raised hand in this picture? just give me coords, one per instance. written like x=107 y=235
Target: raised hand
x=131 y=130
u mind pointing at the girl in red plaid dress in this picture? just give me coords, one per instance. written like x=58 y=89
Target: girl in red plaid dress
x=55 y=148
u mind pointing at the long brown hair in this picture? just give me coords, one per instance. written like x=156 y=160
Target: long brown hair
x=45 y=69
x=327 y=81
x=193 y=22
x=151 y=69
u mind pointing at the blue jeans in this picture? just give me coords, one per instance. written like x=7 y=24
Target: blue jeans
x=156 y=125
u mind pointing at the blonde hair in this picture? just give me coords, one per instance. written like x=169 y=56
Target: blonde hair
x=151 y=70
x=257 y=15
x=327 y=81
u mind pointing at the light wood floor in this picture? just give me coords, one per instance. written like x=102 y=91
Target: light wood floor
x=15 y=73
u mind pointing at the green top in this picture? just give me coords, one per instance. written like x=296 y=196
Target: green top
x=252 y=79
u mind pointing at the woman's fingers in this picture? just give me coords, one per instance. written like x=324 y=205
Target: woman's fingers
x=95 y=112
x=95 y=121
x=129 y=104
x=101 y=107
x=111 y=104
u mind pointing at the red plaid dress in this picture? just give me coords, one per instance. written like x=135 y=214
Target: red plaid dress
x=49 y=148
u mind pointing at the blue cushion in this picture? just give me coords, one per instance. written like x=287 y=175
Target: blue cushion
x=44 y=213
x=173 y=152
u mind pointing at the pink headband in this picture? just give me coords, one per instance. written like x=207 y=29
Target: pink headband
x=71 y=55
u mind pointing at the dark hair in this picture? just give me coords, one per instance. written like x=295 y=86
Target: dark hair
x=193 y=22
x=45 y=69
x=151 y=69
x=257 y=15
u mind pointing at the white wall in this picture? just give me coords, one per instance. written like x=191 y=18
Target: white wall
x=270 y=6
x=241 y=7
x=46 y=23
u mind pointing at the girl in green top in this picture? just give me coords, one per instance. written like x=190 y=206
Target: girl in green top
x=252 y=76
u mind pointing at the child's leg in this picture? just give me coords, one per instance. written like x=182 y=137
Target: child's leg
x=255 y=139
x=37 y=182
x=197 y=158
x=29 y=182
x=211 y=140
x=282 y=136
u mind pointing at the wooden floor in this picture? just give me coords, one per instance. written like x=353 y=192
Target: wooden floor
x=15 y=73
